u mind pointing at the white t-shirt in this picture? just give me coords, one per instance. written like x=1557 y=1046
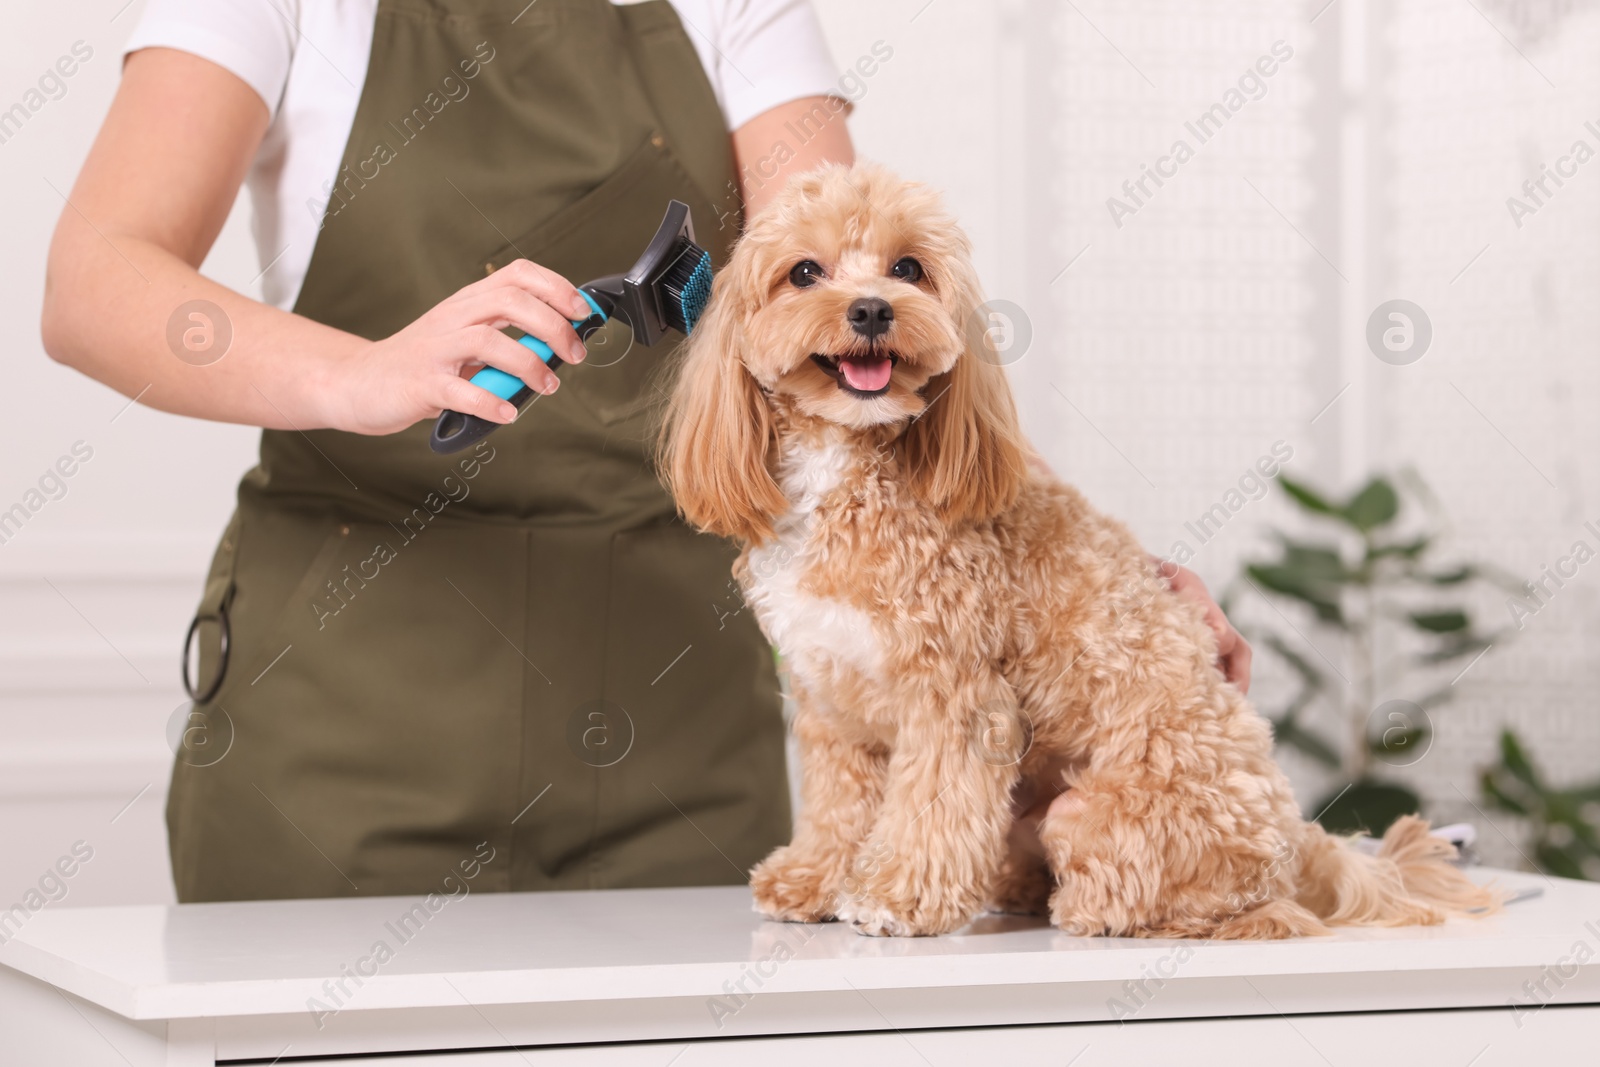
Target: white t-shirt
x=308 y=59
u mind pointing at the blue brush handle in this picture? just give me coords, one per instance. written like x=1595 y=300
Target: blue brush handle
x=454 y=431
x=505 y=386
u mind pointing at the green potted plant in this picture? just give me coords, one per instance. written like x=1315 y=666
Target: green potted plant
x=1564 y=822
x=1403 y=627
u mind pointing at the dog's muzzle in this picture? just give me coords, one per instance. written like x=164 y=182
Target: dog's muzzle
x=864 y=376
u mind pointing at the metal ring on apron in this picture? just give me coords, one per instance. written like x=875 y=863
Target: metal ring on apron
x=221 y=618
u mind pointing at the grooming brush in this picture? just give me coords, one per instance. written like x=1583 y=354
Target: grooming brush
x=667 y=289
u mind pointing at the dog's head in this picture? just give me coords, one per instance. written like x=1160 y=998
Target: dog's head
x=852 y=296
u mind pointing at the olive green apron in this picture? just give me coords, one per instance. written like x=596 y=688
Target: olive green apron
x=520 y=644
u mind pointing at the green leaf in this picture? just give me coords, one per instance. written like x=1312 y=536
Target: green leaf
x=1439 y=697
x=1441 y=622
x=1585 y=794
x=1308 y=498
x=1558 y=808
x=1515 y=760
x=1498 y=796
x=1307 y=670
x=1323 y=600
x=1375 y=505
x=1367 y=805
x=1557 y=860
x=1289 y=732
x=1317 y=562
x=1312 y=682
x=1403 y=549
x=1460 y=574
x=1583 y=831
x=1398 y=743
x=1458 y=646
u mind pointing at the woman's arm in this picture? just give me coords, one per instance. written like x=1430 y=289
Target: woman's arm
x=768 y=148
x=150 y=200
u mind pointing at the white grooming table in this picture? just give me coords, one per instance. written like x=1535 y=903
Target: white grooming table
x=690 y=977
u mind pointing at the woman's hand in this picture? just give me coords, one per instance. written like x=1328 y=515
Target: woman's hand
x=388 y=385
x=1233 y=651
x=142 y=217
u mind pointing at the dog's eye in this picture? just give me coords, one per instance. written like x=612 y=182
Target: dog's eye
x=907 y=270
x=805 y=274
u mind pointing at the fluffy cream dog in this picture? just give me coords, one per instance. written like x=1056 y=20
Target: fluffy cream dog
x=961 y=628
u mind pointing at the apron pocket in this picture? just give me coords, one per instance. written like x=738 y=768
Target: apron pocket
x=378 y=715
x=701 y=694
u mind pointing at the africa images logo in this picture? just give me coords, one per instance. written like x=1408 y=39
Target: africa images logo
x=1251 y=86
x=352 y=178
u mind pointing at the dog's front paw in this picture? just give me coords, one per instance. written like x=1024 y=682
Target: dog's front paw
x=788 y=888
x=922 y=916
x=874 y=919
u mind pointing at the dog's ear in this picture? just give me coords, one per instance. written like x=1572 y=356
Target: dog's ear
x=718 y=432
x=965 y=454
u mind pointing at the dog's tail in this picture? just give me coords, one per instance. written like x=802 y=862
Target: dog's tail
x=1411 y=879
x=1408 y=880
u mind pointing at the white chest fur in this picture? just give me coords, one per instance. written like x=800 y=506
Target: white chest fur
x=810 y=631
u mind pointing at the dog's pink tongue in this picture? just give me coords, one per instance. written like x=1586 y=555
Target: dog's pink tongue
x=867 y=375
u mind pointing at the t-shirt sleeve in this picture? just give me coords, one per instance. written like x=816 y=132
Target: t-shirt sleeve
x=762 y=53
x=253 y=39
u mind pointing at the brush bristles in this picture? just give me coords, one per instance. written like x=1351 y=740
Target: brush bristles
x=686 y=286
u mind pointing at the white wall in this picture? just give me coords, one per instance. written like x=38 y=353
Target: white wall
x=1168 y=357
x=1504 y=421
x=96 y=589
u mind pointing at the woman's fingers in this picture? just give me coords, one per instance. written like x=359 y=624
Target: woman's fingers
x=1233 y=651
x=539 y=282
x=507 y=305
x=424 y=368
x=1236 y=664
x=1221 y=629
x=458 y=394
x=524 y=295
x=487 y=345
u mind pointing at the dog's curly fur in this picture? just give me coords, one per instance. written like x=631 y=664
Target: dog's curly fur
x=960 y=627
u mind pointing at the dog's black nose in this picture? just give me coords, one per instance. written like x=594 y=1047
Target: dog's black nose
x=870 y=316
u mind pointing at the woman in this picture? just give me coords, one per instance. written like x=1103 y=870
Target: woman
x=411 y=662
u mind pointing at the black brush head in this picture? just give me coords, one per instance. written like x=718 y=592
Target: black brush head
x=685 y=286
x=672 y=258
x=667 y=288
